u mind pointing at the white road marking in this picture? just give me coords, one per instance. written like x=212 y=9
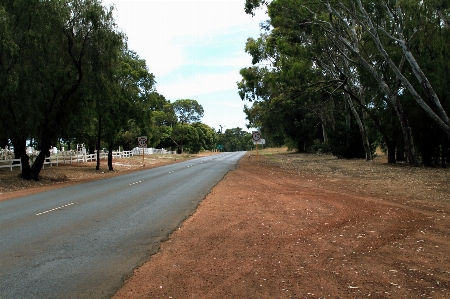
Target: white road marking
x=135 y=183
x=58 y=208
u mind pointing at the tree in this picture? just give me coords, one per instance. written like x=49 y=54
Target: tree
x=187 y=111
x=133 y=84
x=56 y=43
x=163 y=119
x=67 y=65
x=207 y=138
x=235 y=139
x=18 y=114
x=378 y=38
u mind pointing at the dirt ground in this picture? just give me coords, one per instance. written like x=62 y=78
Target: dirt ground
x=285 y=225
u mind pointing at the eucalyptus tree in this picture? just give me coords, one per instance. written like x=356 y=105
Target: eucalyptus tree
x=131 y=87
x=274 y=91
x=390 y=30
x=162 y=122
x=352 y=25
x=235 y=139
x=285 y=79
x=207 y=138
x=187 y=111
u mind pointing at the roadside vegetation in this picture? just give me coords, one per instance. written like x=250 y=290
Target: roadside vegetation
x=68 y=78
x=347 y=77
x=340 y=77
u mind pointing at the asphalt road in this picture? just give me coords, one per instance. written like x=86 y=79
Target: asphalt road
x=83 y=241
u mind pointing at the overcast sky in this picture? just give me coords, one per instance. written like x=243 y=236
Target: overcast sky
x=195 y=49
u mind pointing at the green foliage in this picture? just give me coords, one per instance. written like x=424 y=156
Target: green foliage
x=183 y=133
x=207 y=138
x=67 y=75
x=235 y=139
x=314 y=60
x=188 y=111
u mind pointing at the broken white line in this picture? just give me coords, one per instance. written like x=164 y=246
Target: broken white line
x=58 y=208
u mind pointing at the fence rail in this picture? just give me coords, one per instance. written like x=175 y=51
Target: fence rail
x=81 y=158
x=10 y=164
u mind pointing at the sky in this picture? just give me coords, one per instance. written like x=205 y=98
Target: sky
x=195 y=49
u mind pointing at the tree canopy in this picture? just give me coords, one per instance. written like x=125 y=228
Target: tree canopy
x=68 y=77
x=348 y=76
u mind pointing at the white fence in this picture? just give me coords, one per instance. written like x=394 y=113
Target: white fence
x=151 y=151
x=74 y=157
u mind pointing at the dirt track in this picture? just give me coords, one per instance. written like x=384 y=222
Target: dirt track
x=316 y=227
x=289 y=225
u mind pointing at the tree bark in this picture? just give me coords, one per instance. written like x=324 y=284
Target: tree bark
x=440 y=116
x=365 y=138
x=40 y=159
x=404 y=123
x=110 y=164
x=370 y=29
x=98 y=142
x=407 y=134
x=21 y=150
x=391 y=152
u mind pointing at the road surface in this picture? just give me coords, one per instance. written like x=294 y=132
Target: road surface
x=83 y=241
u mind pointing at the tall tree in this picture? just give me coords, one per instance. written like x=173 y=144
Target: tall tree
x=188 y=111
x=235 y=139
x=389 y=27
x=56 y=43
x=207 y=138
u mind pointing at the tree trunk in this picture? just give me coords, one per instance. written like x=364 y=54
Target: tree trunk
x=110 y=165
x=21 y=151
x=400 y=152
x=439 y=114
x=365 y=138
x=444 y=151
x=324 y=134
x=391 y=152
x=371 y=30
x=98 y=142
x=409 y=142
x=40 y=159
x=407 y=134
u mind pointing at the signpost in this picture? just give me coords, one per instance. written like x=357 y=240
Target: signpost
x=261 y=141
x=142 y=143
x=256 y=137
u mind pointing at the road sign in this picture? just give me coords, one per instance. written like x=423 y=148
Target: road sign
x=142 y=141
x=261 y=141
x=256 y=136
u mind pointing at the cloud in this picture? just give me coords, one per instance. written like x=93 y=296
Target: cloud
x=161 y=31
x=195 y=49
x=198 y=84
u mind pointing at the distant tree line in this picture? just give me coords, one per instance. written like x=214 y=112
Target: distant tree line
x=347 y=76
